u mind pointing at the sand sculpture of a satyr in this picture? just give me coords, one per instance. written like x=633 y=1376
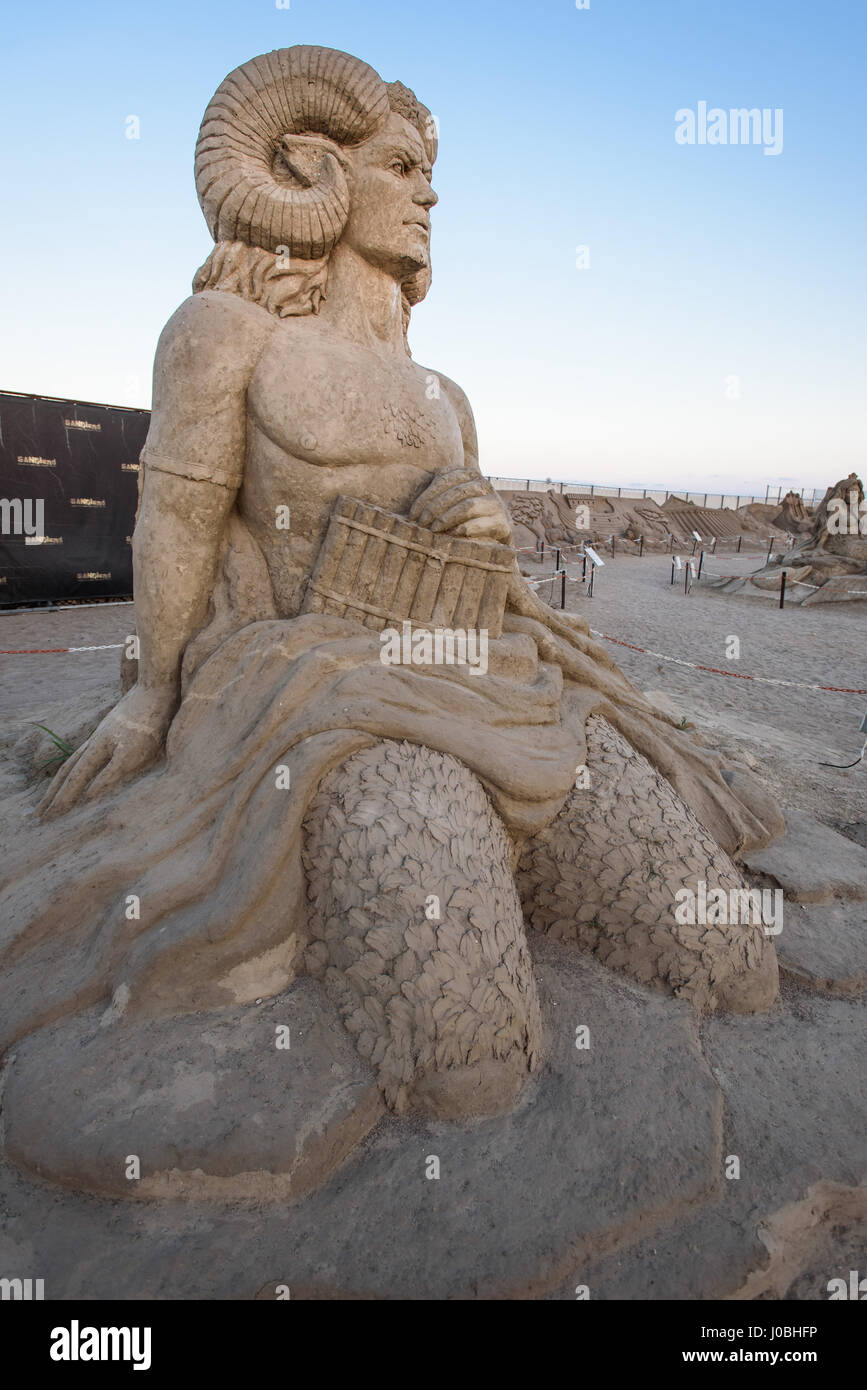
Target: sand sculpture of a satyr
x=270 y=799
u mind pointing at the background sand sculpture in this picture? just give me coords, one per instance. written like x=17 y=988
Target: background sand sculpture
x=571 y=518
x=793 y=516
x=273 y=798
x=827 y=563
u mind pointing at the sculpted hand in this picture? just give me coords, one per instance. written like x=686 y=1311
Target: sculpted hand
x=463 y=503
x=129 y=737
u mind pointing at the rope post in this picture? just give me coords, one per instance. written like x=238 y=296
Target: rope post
x=563 y=587
x=583 y=568
x=782 y=588
x=590 y=585
x=740 y=542
x=713 y=546
x=641 y=545
x=672 y=569
x=700 y=562
x=556 y=559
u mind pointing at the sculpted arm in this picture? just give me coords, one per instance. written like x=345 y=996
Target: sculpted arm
x=193 y=461
x=193 y=465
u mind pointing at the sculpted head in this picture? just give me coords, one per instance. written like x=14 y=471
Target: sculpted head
x=390 y=199
x=301 y=149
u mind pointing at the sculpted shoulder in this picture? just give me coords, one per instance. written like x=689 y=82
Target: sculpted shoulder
x=211 y=330
x=459 y=401
x=205 y=359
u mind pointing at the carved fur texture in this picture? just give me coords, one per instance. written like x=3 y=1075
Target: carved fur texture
x=446 y=1010
x=605 y=872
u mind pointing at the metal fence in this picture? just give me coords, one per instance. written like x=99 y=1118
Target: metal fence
x=773 y=495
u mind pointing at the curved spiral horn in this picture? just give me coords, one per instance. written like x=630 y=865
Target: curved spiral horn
x=252 y=186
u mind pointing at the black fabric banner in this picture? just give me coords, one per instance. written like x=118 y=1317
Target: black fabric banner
x=68 y=494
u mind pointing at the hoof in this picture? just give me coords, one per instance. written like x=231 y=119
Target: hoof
x=752 y=991
x=490 y=1087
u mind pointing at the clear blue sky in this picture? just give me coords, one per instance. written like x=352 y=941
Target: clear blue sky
x=557 y=130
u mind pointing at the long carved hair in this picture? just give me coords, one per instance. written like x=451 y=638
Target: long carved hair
x=276 y=224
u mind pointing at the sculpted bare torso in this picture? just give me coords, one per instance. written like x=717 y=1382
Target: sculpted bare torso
x=326 y=416
x=256 y=413
x=263 y=403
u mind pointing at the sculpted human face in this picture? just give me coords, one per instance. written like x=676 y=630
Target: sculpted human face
x=391 y=198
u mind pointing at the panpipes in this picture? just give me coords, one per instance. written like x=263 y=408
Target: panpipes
x=379 y=569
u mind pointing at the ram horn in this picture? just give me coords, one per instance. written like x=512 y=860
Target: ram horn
x=256 y=183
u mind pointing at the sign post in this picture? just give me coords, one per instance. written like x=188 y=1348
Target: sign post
x=595 y=563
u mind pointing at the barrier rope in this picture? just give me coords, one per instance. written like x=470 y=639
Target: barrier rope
x=712 y=574
x=606 y=637
x=735 y=675
x=40 y=651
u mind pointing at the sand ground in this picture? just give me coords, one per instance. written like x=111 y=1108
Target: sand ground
x=788 y=731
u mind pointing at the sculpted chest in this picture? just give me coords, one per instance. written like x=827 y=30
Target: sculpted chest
x=337 y=404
